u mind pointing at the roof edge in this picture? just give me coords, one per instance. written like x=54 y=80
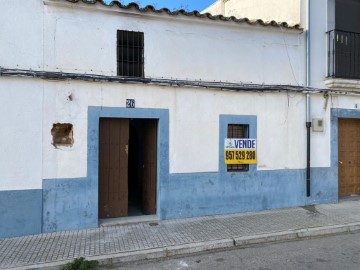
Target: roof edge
x=194 y=13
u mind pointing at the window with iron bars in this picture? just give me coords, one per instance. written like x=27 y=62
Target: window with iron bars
x=237 y=131
x=130 y=53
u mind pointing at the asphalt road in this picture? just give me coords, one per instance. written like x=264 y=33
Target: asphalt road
x=335 y=252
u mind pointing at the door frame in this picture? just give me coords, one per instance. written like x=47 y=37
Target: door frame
x=347 y=124
x=162 y=115
x=334 y=117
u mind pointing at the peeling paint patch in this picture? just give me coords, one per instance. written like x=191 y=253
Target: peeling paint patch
x=62 y=134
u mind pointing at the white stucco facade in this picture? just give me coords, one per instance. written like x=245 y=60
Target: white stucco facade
x=83 y=40
x=250 y=74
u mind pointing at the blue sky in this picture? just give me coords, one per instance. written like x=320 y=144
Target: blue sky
x=174 y=4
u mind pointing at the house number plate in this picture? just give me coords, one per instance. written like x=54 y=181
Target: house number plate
x=130 y=103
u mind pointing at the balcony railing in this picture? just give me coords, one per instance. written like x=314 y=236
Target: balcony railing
x=343 y=54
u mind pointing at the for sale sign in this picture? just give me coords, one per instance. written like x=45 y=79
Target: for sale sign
x=240 y=151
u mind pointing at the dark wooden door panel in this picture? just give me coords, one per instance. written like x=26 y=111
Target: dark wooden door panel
x=150 y=167
x=349 y=157
x=113 y=167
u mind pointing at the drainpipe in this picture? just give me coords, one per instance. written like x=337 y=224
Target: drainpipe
x=308 y=127
x=308 y=100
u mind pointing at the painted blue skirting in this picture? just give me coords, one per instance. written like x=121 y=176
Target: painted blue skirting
x=191 y=195
x=20 y=212
x=69 y=204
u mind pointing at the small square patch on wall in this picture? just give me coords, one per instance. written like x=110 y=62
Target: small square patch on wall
x=318 y=125
x=62 y=134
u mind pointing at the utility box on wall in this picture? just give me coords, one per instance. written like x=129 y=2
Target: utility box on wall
x=318 y=125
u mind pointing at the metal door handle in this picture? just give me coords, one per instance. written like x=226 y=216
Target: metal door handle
x=340 y=162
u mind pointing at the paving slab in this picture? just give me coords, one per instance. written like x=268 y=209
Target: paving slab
x=126 y=242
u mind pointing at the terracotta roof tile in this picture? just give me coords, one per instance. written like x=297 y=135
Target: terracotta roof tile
x=194 y=13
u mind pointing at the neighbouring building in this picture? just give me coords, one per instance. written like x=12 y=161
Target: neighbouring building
x=117 y=111
x=267 y=10
x=335 y=65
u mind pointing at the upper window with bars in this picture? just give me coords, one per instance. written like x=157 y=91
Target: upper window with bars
x=130 y=53
x=238 y=132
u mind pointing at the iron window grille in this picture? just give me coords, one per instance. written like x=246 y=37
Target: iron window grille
x=237 y=131
x=130 y=53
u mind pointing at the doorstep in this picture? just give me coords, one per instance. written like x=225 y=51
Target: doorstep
x=128 y=220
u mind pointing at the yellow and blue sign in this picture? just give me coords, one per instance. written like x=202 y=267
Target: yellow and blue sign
x=240 y=151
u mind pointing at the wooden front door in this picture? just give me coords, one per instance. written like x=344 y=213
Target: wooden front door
x=113 y=167
x=150 y=167
x=349 y=157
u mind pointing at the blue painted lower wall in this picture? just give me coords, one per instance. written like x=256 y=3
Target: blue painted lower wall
x=190 y=195
x=73 y=203
x=20 y=212
x=69 y=204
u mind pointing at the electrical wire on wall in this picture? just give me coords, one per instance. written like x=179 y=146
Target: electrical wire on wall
x=288 y=56
x=213 y=85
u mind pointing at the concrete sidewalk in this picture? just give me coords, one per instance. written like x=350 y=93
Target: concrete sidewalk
x=120 y=243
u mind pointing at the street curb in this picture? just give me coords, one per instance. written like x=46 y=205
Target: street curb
x=296 y=234
x=170 y=251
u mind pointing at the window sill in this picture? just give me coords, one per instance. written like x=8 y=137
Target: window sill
x=343 y=84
